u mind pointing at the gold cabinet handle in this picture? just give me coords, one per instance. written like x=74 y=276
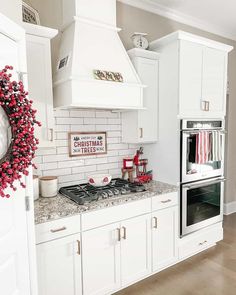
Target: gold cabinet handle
x=51 y=134
x=207 y=106
x=166 y=201
x=202 y=243
x=125 y=233
x=155 y=222
x=119 y=234
x=141 y=132
x=58 y=229
x=78 y=244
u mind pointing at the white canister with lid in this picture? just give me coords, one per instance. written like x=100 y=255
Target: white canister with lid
x=48 y=186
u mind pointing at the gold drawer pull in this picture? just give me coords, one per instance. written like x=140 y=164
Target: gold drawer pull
x=119 y=234
x=202 y=243
x=58 y=229
x=166 y=201
x=78 y=244
x=155 y=222
x=124 y=229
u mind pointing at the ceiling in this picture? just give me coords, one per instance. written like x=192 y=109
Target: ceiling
x=216 y=16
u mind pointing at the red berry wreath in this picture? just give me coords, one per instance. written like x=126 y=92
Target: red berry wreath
x=14 y=101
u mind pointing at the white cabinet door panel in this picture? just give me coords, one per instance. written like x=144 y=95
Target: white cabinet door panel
x=59 y=266
x=214 y=80
x=190 y=79
x=135 y=249
x=101 y=260
x=148 y=119
x=40 y=86
x=164 y=237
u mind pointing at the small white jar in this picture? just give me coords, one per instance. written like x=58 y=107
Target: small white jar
x=48 y=186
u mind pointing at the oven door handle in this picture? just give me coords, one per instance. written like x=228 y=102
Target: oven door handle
x=195 y=132
x=189 y=186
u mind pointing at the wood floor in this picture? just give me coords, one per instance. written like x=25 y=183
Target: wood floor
x=212 y=272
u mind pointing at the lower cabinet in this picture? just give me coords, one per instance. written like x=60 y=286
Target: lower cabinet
x=101 y=260
x=135 y=249
x=116 y=255
x=59 y=266
x=164 y=238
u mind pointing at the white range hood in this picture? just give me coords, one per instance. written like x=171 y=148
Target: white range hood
x=89 y=42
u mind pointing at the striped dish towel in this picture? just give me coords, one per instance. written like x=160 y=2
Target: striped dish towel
x=216 y=146
x=203 y=147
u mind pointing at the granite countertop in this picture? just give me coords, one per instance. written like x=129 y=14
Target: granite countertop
x=48 y=209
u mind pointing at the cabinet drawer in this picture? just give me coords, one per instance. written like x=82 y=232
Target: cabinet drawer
x=164 y=201
x=115 y=214
x=199 y=241
x=57 y=229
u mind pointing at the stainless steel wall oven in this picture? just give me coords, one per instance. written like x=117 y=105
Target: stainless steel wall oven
x=202 y=170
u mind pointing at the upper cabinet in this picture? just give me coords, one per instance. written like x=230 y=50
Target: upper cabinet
x=40 y=79
x=199 y=81
x=142 y=126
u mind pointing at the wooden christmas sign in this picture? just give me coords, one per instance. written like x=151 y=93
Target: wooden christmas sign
x=87 y=143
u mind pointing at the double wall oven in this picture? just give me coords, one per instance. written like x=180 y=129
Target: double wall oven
x=202 y=173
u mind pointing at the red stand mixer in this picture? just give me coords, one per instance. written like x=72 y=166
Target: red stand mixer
x=142 y=175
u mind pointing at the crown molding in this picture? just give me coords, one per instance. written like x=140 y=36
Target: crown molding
x=153 y=7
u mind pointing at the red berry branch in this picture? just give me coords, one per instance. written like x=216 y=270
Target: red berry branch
x=14 y=101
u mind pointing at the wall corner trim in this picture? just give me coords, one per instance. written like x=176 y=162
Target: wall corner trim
x=230 y=208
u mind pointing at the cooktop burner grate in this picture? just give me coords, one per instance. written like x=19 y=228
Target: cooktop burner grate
x=86 y=193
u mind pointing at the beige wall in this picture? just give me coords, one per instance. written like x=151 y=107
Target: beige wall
x=131 y=20
x=12 y=9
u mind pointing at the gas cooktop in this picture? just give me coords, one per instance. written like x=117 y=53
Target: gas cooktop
x=86 y=193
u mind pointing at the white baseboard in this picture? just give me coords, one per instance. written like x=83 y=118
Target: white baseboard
x=229 y=208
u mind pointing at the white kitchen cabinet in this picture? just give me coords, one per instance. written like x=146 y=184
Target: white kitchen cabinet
x=142 y=126
x=59 y=266
x=116 y=255
x=135 y=249
x=214 y=80
x=198 y=70
x=164 y=238
x=101 y=260
x=202 y=80
x=40 y=80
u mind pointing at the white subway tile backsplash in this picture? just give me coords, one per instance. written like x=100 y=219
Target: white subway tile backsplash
x=113 y=140
x=70 y=177
x=47 y=166
x=116 y=134
x=82 y=114
x=82 y=128
x=62 y=135
x=95 y=161
x=74 y=170
x=69 y=164
x=113 y=121
x=57 y=172
x=70 y=121
x=118 y=146
x=61 y=113
x=107 y=166
x=44 y=152
x=108 y=127
x=61 y=142
x=94 y=121
x=62 y=150
x=60 y=128
x=106 y=114
x=82 y=169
